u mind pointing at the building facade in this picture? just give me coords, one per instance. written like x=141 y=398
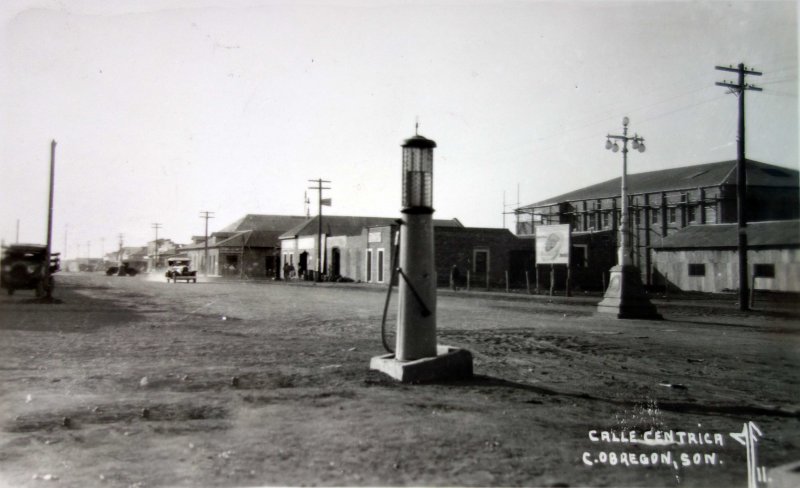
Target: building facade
x=247 y=248
x=661 y=203
x=705 y=258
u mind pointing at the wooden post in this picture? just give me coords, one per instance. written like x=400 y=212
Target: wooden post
x=527 y=283
x=753 y=290
x=569 y=282
x=603 y=278
x=506 y=281
x=552 y=278
x=487 y=278
x=537 y=278
x=468 y=280
x=666 y=285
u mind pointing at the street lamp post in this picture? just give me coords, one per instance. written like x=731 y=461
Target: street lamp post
x=625 y=296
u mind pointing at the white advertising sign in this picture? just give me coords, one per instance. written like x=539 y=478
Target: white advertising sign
x=552 y=244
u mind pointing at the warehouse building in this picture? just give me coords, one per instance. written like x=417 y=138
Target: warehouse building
x=705 y=257
x=662 y=203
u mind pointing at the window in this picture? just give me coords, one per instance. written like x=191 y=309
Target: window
x=764 y=271
x=697 y=270
x=691 y=213
x=673 y=215
x=481 y=262
x=606 y=220
x=591 y=224
x=655 y=215
x=380 y=266
x=369 y=265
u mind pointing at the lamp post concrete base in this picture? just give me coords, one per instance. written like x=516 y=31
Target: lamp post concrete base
x=625 y=296
x=450 y=363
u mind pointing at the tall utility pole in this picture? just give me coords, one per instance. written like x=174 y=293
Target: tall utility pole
x=156 y=226
x=17 y=241
x=48 y=252
x=322 y=202
x=206 y=215
x=738 y=89
x=119 y=253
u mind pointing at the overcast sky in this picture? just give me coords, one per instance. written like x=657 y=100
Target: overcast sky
x=166 y=108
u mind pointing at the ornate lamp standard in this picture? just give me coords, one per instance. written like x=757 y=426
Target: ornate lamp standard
x=625 y=295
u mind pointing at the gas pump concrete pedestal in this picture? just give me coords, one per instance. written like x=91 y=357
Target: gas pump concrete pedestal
x=449 y=363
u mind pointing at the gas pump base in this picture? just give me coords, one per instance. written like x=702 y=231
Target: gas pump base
x=449 y=363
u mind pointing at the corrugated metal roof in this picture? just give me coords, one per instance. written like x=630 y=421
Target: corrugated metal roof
x=339 y=225
x=686 y=177
x=777 y=233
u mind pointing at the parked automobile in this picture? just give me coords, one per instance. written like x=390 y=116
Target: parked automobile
x=22 y=267
x=180 y=269
x=124 y=270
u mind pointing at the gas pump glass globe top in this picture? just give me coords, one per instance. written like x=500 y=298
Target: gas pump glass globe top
x=418 y=172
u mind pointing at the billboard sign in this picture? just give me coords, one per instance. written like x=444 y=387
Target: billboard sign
x=552 y=244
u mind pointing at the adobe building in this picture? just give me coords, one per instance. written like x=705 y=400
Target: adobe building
x=345 y=244
x=362 y=249
x=247 y=248
x=705 y=257
x=662 y=203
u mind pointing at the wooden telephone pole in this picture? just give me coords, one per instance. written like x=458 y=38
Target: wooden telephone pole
x=738 y=89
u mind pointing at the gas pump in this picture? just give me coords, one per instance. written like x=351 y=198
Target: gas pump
x=417 y=356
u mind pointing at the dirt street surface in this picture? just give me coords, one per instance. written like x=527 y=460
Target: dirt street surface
x=130 y=382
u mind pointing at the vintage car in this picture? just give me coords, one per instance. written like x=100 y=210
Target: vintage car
x=179 y=269
x=125 y=270
x=22 y=267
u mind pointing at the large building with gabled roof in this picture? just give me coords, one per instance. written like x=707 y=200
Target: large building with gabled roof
x=661 y=203
x=247 y=247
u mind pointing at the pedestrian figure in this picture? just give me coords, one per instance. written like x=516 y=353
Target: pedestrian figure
x=291 y=270
x=455 y=275
x=286 y=271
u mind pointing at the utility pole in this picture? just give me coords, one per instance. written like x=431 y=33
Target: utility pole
x=738 y=89
x=17 y=241
x=48 y=279
x=156 y=226
x=119 y=253
x=206 y=215
x=322 y=202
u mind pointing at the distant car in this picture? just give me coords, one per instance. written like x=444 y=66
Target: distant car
x=22 y=267
x=180 y=269
x=124 y=270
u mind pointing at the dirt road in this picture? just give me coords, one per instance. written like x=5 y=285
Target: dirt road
x=130 y=382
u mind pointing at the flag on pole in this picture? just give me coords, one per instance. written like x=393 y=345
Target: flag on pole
x=326 y=202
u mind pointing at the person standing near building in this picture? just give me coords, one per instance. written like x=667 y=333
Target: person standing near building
x=455 y=275
x=286 y=271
